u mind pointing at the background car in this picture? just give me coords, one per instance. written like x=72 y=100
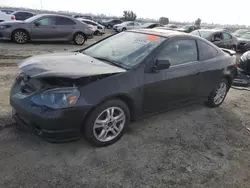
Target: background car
x=126 y=26
x=22 y=15
x=110 y=23
x=46 y=27
x=187 y=28
x=151 y=25
x=244 y=42
x=6 y=17
x=83 y=17
x=238 y=33
x=220 y=38
x=171 y=26
x=98 y=97
x=7 y=11
x=98 y=28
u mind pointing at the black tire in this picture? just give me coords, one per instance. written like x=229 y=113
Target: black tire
x=20 y=36
x=109 y=26
x=96 y=32
x=124 y=29
x=211 y=99
x=88 y=127
x=79 y=38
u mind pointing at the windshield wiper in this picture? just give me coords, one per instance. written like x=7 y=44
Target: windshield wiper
x=111 y=62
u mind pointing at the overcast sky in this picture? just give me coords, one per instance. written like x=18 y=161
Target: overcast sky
x=217 y=11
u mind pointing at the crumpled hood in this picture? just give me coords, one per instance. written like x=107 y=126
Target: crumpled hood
x=67 y=65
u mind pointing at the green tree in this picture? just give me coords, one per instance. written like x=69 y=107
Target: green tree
x=197 y=22
x=129 y=15
x=164 y=20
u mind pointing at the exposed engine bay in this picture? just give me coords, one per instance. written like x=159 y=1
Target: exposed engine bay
x=30 y=85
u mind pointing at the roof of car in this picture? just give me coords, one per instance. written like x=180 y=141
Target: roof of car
x=160 y=32
x=212 y=30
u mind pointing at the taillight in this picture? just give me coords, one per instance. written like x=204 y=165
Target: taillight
x=91 y=27
x=13 y=17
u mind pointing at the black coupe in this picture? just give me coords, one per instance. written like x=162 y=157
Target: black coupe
x=97 y=91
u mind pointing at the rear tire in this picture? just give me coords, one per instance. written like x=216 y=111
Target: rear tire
x=79 y=38
x=109 y=26
x=93 y=132
x=219 y=94
x=20 y=36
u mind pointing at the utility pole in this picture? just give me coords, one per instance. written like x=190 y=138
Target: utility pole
x=41 y=4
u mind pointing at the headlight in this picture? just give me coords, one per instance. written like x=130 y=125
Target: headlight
x=4 y=26
x=57 y=98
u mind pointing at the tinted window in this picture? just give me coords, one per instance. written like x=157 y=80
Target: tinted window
x=180 y=51
x=130 y=24
x=47 y=21
x=206 y=51
x=65 y=21
x=226 y=36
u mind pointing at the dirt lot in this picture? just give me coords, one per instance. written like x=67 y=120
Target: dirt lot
x=190 y=147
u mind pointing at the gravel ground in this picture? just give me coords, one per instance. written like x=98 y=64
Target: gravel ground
x=193 y=146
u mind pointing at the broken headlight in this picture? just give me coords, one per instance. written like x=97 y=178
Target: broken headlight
x=57 y=98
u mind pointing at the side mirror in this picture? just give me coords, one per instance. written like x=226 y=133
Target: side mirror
x=161 y=64
x=37 y=24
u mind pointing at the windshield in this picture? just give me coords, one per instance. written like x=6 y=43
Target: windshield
x=186 y=27
x=126 y=49
x=201 y=33
x=240 y=31
x=246 y=36
x=146 y=24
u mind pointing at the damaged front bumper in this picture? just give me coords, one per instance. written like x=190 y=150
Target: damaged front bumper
x=52 y=125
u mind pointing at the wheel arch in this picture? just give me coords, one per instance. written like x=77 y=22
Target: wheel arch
x=80 y=32
x=22 y=29
x=124 y=98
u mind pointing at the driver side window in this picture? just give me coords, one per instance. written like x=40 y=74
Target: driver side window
x=47 y=21
x=131 y=24
x=179 y=52
x=217 y=37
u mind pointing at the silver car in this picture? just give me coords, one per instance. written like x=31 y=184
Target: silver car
x=46 y=27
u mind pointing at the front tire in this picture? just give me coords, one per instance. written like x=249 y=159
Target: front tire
x=106 y=123
x=20 y=36
x=109 y=26
x=218 y=95
x=124 y=29
x=79 y=38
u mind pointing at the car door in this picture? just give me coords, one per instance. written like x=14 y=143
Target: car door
x=167 y=88
x=228 y=40
x=130 y=25
x=65 y=28
x=209 y=74
x=44 y=28
x=217 y=39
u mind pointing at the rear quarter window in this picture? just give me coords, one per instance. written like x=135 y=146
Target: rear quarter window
x=206 y=51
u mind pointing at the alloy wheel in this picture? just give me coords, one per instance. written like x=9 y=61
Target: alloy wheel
x=79 y=39
x=109 y=124
x=221 y=92
x=20 y=37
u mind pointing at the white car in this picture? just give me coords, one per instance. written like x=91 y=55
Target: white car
x=126 y=26
x=6 y=17
x=98 y=29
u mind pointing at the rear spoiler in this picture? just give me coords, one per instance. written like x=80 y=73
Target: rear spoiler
x=230 y=52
